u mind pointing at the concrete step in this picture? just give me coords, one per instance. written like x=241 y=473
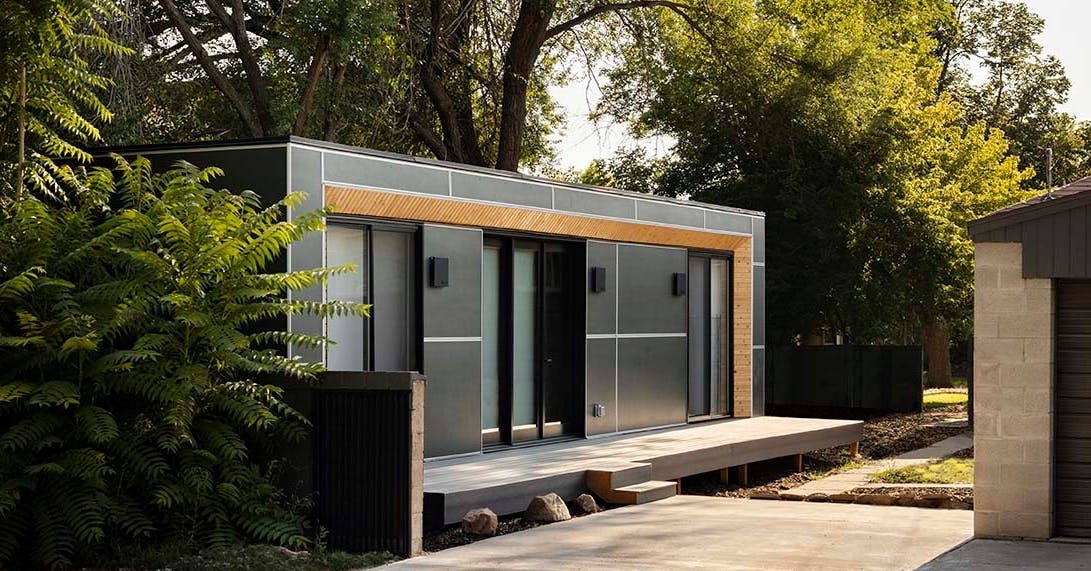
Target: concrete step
x=645 y=492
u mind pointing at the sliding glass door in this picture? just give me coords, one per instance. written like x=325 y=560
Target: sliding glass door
x=529 y=387
x=709 y=336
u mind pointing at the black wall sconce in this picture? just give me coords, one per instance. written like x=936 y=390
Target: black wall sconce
x=598 y=279
x=679 y=284
x=438 y=274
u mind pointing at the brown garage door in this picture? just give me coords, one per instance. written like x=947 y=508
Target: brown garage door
x=1072 y=413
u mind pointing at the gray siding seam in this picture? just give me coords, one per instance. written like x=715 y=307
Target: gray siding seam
x=759 y=264
x=636 y=335
x=537 y=209
x=452 y=339
x=553 y=198
x=450 y=184
x=636 y=197
x=481 y=329
x=757 y=346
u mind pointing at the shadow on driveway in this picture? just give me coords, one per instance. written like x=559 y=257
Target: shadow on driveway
x=699 y=532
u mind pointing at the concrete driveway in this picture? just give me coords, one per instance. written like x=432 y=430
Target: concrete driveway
x=988 y=554
x=698 y=532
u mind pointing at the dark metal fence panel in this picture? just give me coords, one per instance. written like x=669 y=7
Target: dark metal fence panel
x=844 y=378
x=361 y=469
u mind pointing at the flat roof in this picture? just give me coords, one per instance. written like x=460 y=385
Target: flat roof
x=303 y=141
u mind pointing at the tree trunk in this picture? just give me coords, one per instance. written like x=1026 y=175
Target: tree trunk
x=21 y=174
x=318 y=66
x=526 y=44
x=937 y=346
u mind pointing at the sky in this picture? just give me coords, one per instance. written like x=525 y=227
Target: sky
x=1065 y=37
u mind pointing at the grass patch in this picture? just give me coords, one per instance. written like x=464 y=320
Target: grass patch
x=949 y=471
x=941 y=400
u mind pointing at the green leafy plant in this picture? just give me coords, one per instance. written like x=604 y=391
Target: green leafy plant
x=141 y=349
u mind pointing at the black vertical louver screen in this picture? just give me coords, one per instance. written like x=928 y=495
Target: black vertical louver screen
x=361 y=461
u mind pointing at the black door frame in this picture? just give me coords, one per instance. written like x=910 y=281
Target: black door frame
x=728 y=257
x=506 y=435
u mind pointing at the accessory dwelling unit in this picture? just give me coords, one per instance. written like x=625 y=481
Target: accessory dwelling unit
x=537 y=309
x=1032 y=367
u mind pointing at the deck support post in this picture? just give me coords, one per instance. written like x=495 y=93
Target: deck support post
x=724 y=475
x=799 y=462
x=744 y=476
x=854 y=449
x=678 y=487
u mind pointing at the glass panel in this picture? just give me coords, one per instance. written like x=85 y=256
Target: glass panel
x=558 y=392
x=347 y=245
x=524 y=266
x=490 y=338
x=391 y=312
x=698 y=337
x=720 y=314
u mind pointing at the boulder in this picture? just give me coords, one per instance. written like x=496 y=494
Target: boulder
x=587 y=504
x=842 y=498
x=547 y=508
x=765 y=496
x=480 y=521
x=791 y=497
x=818 y=497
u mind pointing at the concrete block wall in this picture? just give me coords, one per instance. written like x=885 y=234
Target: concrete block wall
x=1013 y=378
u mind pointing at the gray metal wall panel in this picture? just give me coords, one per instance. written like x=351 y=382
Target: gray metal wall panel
x=670 y=214
x=306 y=168
x=759 y=240
x=455 y=310
x=494 y=189
x=727 y=221
x=364 y=171
x=646 y=303
x=759 y=383
x=593 y=203
x=601 y=387
x=452 y=399
x=759 y=305
x=601 y=306
x=652 y=385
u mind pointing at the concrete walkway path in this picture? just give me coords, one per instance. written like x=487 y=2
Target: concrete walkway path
x=700 y=532
x=989 y=554
x=859 y=477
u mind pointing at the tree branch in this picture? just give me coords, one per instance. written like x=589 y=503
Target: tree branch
x=218 y=79
x=613 y=7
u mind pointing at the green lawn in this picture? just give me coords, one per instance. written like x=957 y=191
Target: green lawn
x=940 y=400
x=949 y=471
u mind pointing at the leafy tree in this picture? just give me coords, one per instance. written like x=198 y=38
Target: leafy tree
x=49 y=97
x=138 y=356
x=1023 y=87
x=824 y=116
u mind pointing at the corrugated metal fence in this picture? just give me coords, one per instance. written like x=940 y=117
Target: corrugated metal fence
x=844 y=378
x=361 y=469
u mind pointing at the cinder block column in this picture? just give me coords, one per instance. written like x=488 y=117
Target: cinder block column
x=1013 y=399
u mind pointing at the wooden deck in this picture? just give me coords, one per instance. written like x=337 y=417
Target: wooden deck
x=506 y=481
